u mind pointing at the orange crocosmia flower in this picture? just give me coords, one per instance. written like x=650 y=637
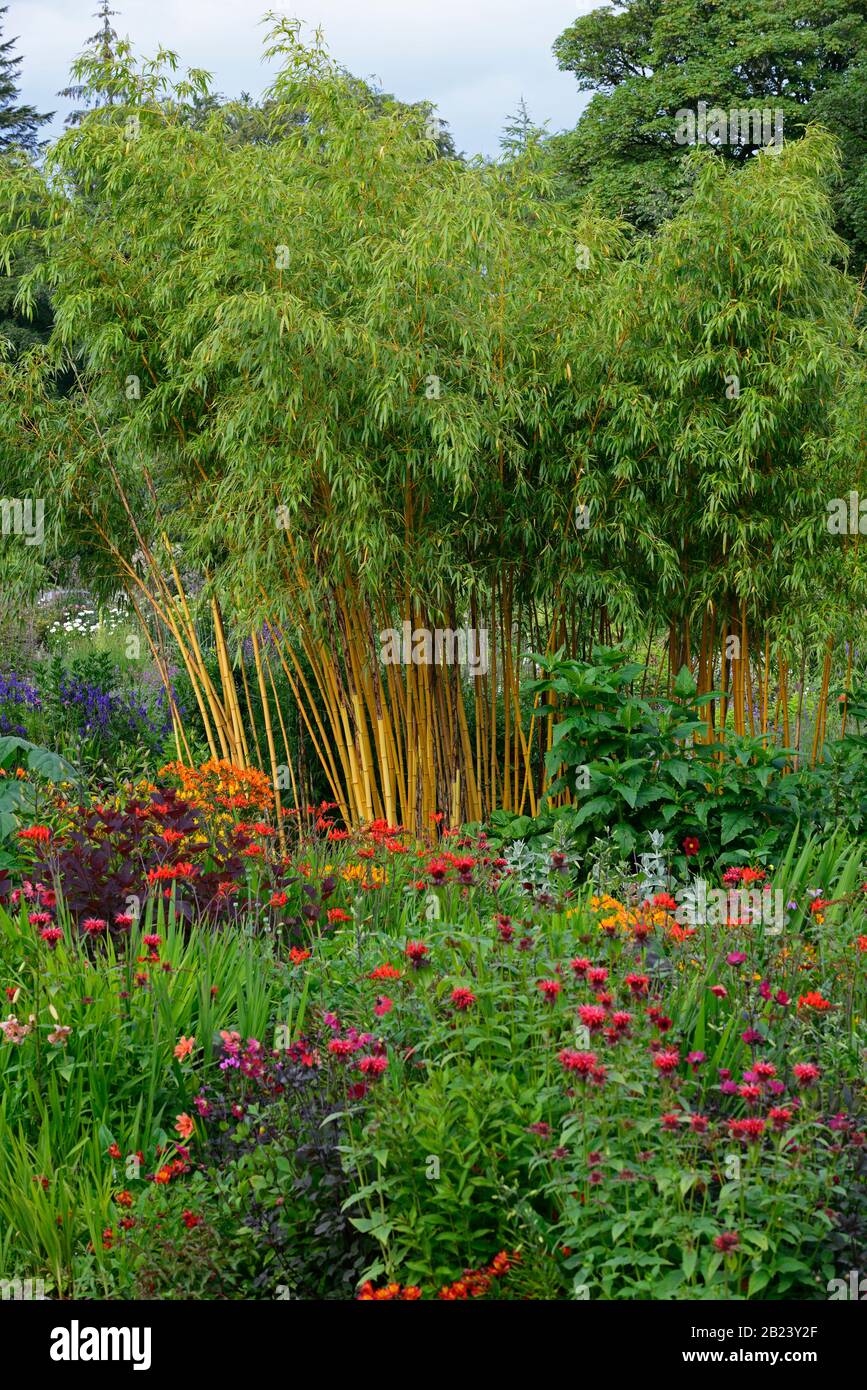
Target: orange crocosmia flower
x=185 y=1046
x=170 y=872
x=297 y=956
x=185 y=1126
x=814 y=1000
x=862 y=943
x=40 y=834
x=366 y=853
x=336 y=914
x=679 y=933
x=384 y=972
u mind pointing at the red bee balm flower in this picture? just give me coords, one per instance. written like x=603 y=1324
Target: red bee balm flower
x=373 y=1066
x=581 y=1062
x=463 y=999
x=727 y=1241
x=749 y=1131
x=667 y=1061
x=780 y=1116
x=592 y=1016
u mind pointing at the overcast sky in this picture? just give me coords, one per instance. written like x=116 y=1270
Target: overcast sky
x=474 y=59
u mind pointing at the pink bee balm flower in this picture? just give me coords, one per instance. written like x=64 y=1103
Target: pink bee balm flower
x=806 y=1073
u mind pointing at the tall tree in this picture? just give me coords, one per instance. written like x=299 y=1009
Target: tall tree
x=100 y=47
x=19 y=124
x=647 y=60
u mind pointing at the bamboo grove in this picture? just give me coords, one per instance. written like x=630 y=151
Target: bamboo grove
x=305 y=391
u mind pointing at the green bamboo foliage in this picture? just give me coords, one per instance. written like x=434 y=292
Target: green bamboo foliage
x=318 y=387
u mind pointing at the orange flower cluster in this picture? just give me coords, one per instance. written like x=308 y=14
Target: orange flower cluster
x=614 y=917
x=475 y=1283
x=220 y=786
x=814 y=1000
x=364 y=875
x=389 y=1292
